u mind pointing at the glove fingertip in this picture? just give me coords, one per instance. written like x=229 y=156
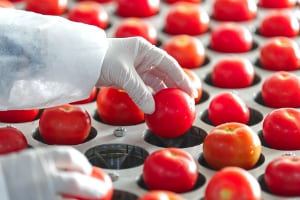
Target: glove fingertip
x=148 y=105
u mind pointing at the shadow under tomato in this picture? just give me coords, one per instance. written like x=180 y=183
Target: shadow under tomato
x=123 y=195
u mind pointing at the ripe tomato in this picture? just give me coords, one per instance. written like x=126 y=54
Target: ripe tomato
x=171 y=169
x=160 y=195
x=89 y=12
x=99 y=1
x=281 y=89
x=115 y=107
x=91 y=98
x=134 y=26
x=231 y=38
x=186 y=18
x=47 y=7
x=174 y=113
x=196 y=81
x=137 y=8
x=231 y=144
x=191 y=1
x=6 y=4
x=19 y=116
x=279 y=23
x=234 y=10
x=12 y=140
x=186 y=49
x=280 y=53
x=233 y=72
x=282 y=176
x=66 y=124
x=281 y=129
x=231 y=183
x=277 y=3
x=228 y=107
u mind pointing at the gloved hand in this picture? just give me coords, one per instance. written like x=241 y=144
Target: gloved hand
x=46 y=173
x=140 y=68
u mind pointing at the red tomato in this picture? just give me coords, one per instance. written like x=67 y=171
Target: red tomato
x=231 y=38
x=281 y=129
x=99 y=1
x=191 y=1
x=279 y=23
x=89 y=12
x=134 y=26
x=277 y=3
x=47 y=7
x=137 y=8
x=170 y=169
x=6 y=4
x=12 y=140
x=282 y=176
x=231 y=144
x=91 y=98
x=186 y=18
x=280 y=53
x=186 y=49
x=196 y=81
x=65 y=124
x=19 y=116
x=115 y=107
x=232 y=183
x=174 y=113
x=160 y=195
x=281 y=89
x=233 y=72
x=228 y=107
x=234 y=10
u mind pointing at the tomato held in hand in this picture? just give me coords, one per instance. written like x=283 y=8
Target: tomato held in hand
x=196 y=82
x=47 y=7
x=170 y=169
x=115 y=107
x=12 y=140
x=228 y=107
x=277 y=3
x=233 y=72
x=174 y=113
x=89 y=12
x=232 y=183
x=237 y=10
x=281 y=89
x=137 y=8
x=187 y=50
x=65 y=125
x=281 y=129
x=19 y=116
x=91 y=98
x=160 y=195
x=231 y=144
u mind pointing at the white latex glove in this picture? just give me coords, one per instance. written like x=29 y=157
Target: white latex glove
x=45 y=173
x=133 y=64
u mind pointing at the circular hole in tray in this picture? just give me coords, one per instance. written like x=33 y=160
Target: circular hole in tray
x=255 y=117
x=200 y=182
x=255 y=46
x=202 y=161
x=37 y=136
x=204 y=97
x=194 y=136
x=208 y=80
x=116 y=156
x=262 y=184
x=123 y=195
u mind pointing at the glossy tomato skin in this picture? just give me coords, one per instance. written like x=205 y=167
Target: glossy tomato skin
x=160 y=195
x=282 y=176
x=115 y=107
x=186 y=49
x=186 y=18
x=279 y=23
x=174 y=113
x=281 y=129
x=171 y=169
x=137 y=8
x=19 y=116
x=232 y=183
x=134 y=26
x=65 y=125
x=233 y=72
x=12 y=140
x=196 y=82
x=234 y=10
x=231 y=144
x=90 y=99
x=47 y=7
x=231 y=37
x=281 y=89
x=228 y=107
x=277 y=3
x=6 y=4
x=280 y=53
x=89 y=12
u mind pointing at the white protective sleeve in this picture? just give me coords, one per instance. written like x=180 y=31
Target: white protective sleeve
x=47 y=60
